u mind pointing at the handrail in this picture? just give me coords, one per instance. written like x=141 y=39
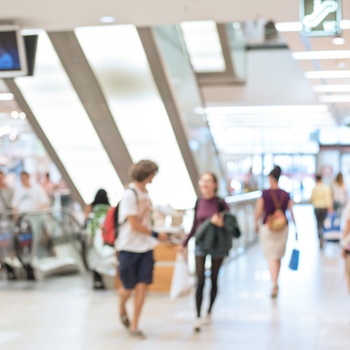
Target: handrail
x=243 y=197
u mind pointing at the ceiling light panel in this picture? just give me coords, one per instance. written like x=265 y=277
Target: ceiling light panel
x=334 y=98
x=329 y=74
x=321 y=55
x=331 y=88
x=203 y=45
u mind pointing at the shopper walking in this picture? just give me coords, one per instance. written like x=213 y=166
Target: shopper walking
x=346 y=244
x=6 y=194
x=135 y=243
x=211 y=229
x=321 y=199
x=339 y=193
x=273 y=239
x=95 y=215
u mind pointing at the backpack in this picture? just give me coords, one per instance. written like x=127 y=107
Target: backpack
x=110 y=228
x=277 y=221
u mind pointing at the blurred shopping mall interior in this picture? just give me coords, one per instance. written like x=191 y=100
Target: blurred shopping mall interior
x=229 y=87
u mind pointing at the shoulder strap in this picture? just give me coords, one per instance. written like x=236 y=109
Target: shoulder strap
x=221 y=204
x=277 y=203
x=136 y=195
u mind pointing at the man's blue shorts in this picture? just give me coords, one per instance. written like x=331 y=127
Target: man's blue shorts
x=135 y=268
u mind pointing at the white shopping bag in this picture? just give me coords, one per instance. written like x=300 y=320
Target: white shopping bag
x=181 y=281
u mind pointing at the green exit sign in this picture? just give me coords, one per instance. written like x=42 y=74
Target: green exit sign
x=320 y=17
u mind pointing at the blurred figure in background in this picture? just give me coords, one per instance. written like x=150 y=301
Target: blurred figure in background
x=321 y=199
x=340 y=194
x=31 y=197
x=49 y=187
x=6 y=194
x=346 y=244
x=95 y=215
x=250 y=182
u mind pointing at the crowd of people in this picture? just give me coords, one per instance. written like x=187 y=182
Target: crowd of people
x=213 y=229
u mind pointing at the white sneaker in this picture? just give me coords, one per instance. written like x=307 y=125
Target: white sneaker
x=207 y=319
x=197 y=325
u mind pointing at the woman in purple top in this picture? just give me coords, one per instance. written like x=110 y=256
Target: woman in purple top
x=208 y=206
x=273 y=243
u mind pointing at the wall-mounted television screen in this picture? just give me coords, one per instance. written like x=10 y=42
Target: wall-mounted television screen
x=13 y=61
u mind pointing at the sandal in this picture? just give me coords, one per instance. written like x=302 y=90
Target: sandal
x=274 y=292
x=124 y=320
x=137 y=334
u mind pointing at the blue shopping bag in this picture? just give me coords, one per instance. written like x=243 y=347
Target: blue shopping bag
x=294 y=259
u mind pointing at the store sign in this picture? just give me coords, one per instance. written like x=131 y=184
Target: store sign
x=320 y=17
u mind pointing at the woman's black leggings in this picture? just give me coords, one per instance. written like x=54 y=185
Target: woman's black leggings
x=200 y=271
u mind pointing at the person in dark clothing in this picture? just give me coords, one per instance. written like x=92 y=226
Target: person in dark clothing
x=209 y=206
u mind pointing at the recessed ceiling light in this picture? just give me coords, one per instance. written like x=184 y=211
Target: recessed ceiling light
x=334 y=98
x=342 y=65
x=327 y=74
x=265 y=109
x=331 y=88
x=6 y=96
x=321 y=55
x=14 y=115
x=338 y=41
x=297 y=26
x=107 y=19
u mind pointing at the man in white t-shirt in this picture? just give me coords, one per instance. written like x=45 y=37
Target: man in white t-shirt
x=135 y=243
x=27 y=198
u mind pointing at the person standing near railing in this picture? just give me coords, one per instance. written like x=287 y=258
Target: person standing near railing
x=6 y=194
x=29 y=197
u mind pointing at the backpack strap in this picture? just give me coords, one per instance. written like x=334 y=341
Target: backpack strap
x=117 y=211
x=277 y=203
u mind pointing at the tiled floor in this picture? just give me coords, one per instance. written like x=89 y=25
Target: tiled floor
x=311 y=313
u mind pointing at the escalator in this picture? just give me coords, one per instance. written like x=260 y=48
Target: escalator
x=42 y=243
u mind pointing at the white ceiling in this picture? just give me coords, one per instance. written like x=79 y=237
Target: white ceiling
x=273 y=77
x=68 y=14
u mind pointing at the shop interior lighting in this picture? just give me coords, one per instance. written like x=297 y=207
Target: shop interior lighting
x=297 y=26
x=338 y=41
x=263 y=109
x=331 y=88
x=107 y=19
x=6 y=96
x=334 y=98
x=327 y=74
x=321 y=55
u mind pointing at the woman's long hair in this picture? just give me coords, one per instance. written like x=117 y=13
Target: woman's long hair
x=100 y=198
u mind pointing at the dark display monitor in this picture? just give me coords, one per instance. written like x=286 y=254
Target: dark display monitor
x=30 y=42
x=13 y=61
